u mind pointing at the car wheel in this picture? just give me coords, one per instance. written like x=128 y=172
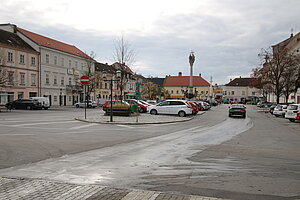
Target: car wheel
x=141 y=110
x=292 y=120
x=276 y=115
x=77 y=106
x=28 y=107
x=153 y=112
x=229 y=115
x=45 y=108
x=181 y=114
x=9 y=107
x=244 y=116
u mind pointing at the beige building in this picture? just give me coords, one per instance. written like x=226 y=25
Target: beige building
x=176 y=87
x=19 y=68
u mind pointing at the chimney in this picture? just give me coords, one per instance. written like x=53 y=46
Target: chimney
x=179 y=73
x=240 y=76
x=230 y=80
x=200 y=74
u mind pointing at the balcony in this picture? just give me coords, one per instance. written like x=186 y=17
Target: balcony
x=74 y=87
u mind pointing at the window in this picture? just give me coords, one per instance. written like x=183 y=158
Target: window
x=176 y=103
x=70 y=81
x=225 y=92
x=253 y=93
x=22 y=78
x=10 y=57
x=55 y=80
x=33 y=79
x=101 y=85
x=171 y=91
x=206 y=92
x=62 y=61
x=11 y=78
x=76 y=63
x=47 y=58
x=22 y=59
x=105 y=86
x=70 y=63
x=243 y=93
x=202 y=92
x=33 y=61
x=55 y=98
x=55 y=60
x=20 y=95
x=232 y=92
x=62 y=81
x=47 y=79
x=70 y=98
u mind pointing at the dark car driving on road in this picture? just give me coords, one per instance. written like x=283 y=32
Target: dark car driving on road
x=27 y=104
x=237 y=110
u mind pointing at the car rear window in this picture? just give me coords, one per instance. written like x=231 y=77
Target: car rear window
x=237 y=106
x=293 y=107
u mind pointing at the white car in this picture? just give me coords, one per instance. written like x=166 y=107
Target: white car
x=44 y=101
x=292 y=111
x=280 y=110
x=175 y=107
x=90 y=104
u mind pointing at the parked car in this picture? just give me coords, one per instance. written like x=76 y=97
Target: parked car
x=152 y=102
x=141 y=106
x=204 y=105
x=298 y=116
x=27 y=104
x=90 y=104
x=264 y=104
x=175 y=107
x=44 y=102
x=292 y=111
x=107 y=103
x=237 y=110
x=279 y=110
x=194 y=107
x=271 y=109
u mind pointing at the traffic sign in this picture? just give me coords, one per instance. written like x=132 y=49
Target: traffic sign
x=84 y=80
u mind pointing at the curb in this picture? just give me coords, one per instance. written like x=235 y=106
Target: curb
x=134 y=123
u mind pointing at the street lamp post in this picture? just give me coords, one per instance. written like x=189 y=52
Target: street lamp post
x=118 y=75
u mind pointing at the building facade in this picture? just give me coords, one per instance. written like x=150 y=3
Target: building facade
x=176 y=87
x=240 y=90
x=19 y=68
x=60 y=65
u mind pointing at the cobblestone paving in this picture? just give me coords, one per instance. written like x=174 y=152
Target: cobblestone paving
x=31 y=189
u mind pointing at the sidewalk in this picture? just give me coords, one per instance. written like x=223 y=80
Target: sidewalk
x=31 y=189
x=143 y=118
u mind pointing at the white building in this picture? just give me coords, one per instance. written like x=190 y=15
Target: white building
x=241 y=90
x=61 y=66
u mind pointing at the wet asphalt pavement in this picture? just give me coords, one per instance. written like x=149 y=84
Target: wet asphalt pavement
x=211 y=155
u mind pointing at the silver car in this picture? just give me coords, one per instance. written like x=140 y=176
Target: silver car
x=90 y=104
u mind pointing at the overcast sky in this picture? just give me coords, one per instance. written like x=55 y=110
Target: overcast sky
x=226 y=35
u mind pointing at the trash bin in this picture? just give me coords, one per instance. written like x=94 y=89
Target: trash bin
x=134 y=108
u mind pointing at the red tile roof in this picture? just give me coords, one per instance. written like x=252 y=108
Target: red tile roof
x=178 y=81
x=53 y=44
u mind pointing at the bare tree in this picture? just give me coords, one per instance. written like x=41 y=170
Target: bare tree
x=125 y=56
x=3 y=72
x=277 y=70
x=90 y=72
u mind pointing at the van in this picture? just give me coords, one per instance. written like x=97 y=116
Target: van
x=292 y=111
x=44 y=102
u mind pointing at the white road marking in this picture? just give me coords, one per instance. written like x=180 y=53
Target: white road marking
x=33 y=124
x=83 y=126
x=126 y=126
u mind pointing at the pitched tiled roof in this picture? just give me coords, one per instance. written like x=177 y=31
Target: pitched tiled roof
x=53 y=44
x=100 y=67
x=244 y=82
x=13 y=40
x=177 y=81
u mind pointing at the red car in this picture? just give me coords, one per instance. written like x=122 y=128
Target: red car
x=141 y=106
x=194 y=107
x=107 y=103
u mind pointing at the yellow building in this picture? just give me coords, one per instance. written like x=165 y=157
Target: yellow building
x=176 y=87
